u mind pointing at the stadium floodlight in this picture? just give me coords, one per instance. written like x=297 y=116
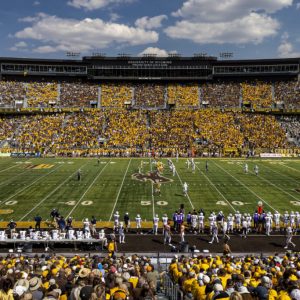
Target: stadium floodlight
x=226 y=55
x=98 y=54
x=121 y=55
x=72 y=54
x=201 y=54
x=150 y=55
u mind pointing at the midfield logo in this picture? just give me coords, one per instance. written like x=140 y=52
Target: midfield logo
x=152 y=176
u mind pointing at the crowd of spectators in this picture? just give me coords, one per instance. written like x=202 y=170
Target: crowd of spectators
x=116 y=94
x=238 y=278
x=120 y=128
x=224 y=94
x=288 y=93
x=41 y=94
x=10 y=91
x=257 y=94
x=77 y=277
x=221 y=94
x=149 y=95
x=78 y=94
x=291 y=126
x=184 y=95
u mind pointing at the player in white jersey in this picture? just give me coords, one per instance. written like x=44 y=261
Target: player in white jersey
x=249 y=221
x=230 y=220
x=292 y=220
x=116 y=220
x=201 y=223
x=256 y=170
x=211 y=220
x=289 y=236
x=238 y=220
x=121 y=233
x=244 y=225
x=214 y=234
x=194 y=220
x=297 y=220
x=155 y=224
x=177 y=155
x=164 y=221
x=174 y=170
x=193 y=166
x=86 y=226
x=185 y=189
x=188 y=163
x=246 y=168
x=277 y=220
x=224 y=229
x=138 y=221
x=286 y=219
x=268 y=223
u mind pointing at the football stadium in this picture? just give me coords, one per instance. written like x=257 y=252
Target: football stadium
x=149 y=150
x=104 y=157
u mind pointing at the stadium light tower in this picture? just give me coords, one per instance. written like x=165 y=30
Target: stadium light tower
x=226 y=55
x=73 y=54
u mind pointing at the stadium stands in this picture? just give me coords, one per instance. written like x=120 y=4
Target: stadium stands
x=115 y=94
x=288 y=93
x=149 y=95
x=41 y=94
x=184 y=95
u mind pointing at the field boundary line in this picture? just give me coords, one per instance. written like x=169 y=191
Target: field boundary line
x=152 y=191
x=122 y=183
x=214 y=186
x=279 y=173
x=186 y=193
x=244 y=185
x=8 y=168
x=75 y=206
x=273 y=184
x=52 y=192
x=26 y=187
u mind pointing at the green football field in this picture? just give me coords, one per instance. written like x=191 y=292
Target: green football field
x=36 y=186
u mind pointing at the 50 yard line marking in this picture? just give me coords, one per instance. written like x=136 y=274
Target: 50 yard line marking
x=75 y=206
x=153 y=208
x=213 y=185
x=26 y=187
x=52 y=192
x=241 y=183
x=187 y=193
x=117 y=198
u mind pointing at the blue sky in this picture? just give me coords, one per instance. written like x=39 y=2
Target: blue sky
x=248 y=28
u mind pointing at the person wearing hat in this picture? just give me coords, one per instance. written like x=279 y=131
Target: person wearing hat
x=35 y=284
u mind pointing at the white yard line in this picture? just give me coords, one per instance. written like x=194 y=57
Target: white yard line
x=214 y=186
x=241 y=183
x=187 y=193
x=117 y=198
x=8 y=168
x=291 y=168
x=152 y=191
x=13 y=177
x=290 y=178
x=277 y=187
x=27 y=186
x=78 y=202
x=51 y=193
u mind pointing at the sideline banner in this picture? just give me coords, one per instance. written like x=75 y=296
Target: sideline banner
x=278 y=155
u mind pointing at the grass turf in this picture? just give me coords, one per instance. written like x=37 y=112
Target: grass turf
x=30 y=187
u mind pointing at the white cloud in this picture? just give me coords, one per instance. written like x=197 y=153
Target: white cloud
x=19 y=46
x=36 y=3
x=216 y=10
x=253 y=28
x=156 y=51
x=286 y=48
x=114 y=17
x=94 y=4
x=298 y=5
x=82 y=35
x=150 y=23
